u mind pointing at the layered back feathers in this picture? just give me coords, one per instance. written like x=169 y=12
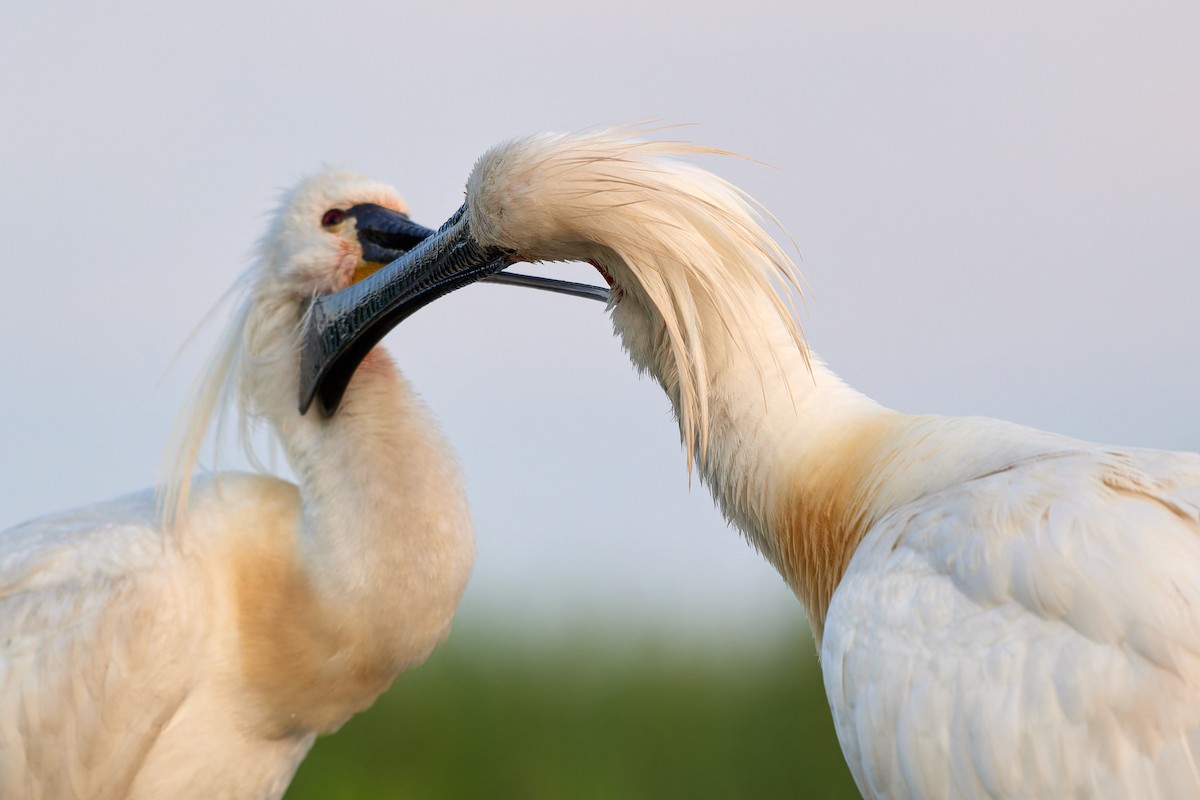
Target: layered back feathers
x=682 y=242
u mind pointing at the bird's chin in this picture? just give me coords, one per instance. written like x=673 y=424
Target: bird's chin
x=366 y=269
x=603 y=272
x=614 y=289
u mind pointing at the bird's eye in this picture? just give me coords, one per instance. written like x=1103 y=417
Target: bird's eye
x=332 y=217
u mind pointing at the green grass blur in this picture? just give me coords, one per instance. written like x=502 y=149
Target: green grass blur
x=590 y=719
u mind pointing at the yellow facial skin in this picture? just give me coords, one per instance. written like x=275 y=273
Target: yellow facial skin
x=365 y=269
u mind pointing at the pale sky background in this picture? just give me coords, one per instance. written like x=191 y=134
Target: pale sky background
x=997 y=204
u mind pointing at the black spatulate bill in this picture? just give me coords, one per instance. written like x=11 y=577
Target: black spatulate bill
x=343 y=327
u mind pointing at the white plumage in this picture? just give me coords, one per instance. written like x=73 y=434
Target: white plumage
x=1001 y=612
x=1035 y=628
x=200 y=660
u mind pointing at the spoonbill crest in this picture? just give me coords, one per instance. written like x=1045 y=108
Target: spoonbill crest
x=1000 y=612
x=200 y=658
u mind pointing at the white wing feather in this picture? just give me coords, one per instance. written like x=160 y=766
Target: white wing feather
x=95 y=657
x=1031 y=633
x=113 y=659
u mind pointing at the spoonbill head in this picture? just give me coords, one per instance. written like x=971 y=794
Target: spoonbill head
x=331 y=231
x=335 y=229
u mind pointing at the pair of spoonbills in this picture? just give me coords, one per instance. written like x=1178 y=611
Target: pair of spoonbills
x=1000 y=612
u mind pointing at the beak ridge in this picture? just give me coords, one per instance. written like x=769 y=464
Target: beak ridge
x=343 y=327
x=384 y=234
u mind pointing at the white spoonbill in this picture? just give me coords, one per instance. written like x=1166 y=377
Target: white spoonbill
x=1000 y=612
x=199 y=659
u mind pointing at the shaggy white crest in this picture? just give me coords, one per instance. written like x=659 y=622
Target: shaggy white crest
x=675 y=240
x=297 y=260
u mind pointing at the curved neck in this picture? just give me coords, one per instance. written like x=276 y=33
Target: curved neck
x=381 y=497
x=803 y=464
x=797 y=460
x=362 y=577
x=788 y=449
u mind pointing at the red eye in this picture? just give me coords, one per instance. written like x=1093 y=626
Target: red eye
x=332 y=217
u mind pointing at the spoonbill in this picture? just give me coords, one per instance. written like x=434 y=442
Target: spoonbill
x=200 y=655
x=1000 y=611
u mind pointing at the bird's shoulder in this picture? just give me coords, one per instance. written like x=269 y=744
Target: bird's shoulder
x=1034 y=628
x=94 y=654
x=125 y=538
x=73 y=551
x=1054 y=533
x=109 y=622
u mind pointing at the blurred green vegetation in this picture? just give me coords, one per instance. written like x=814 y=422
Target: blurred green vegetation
x=489 y=717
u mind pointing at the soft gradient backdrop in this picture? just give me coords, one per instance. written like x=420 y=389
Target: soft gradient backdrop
x=998 y=208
